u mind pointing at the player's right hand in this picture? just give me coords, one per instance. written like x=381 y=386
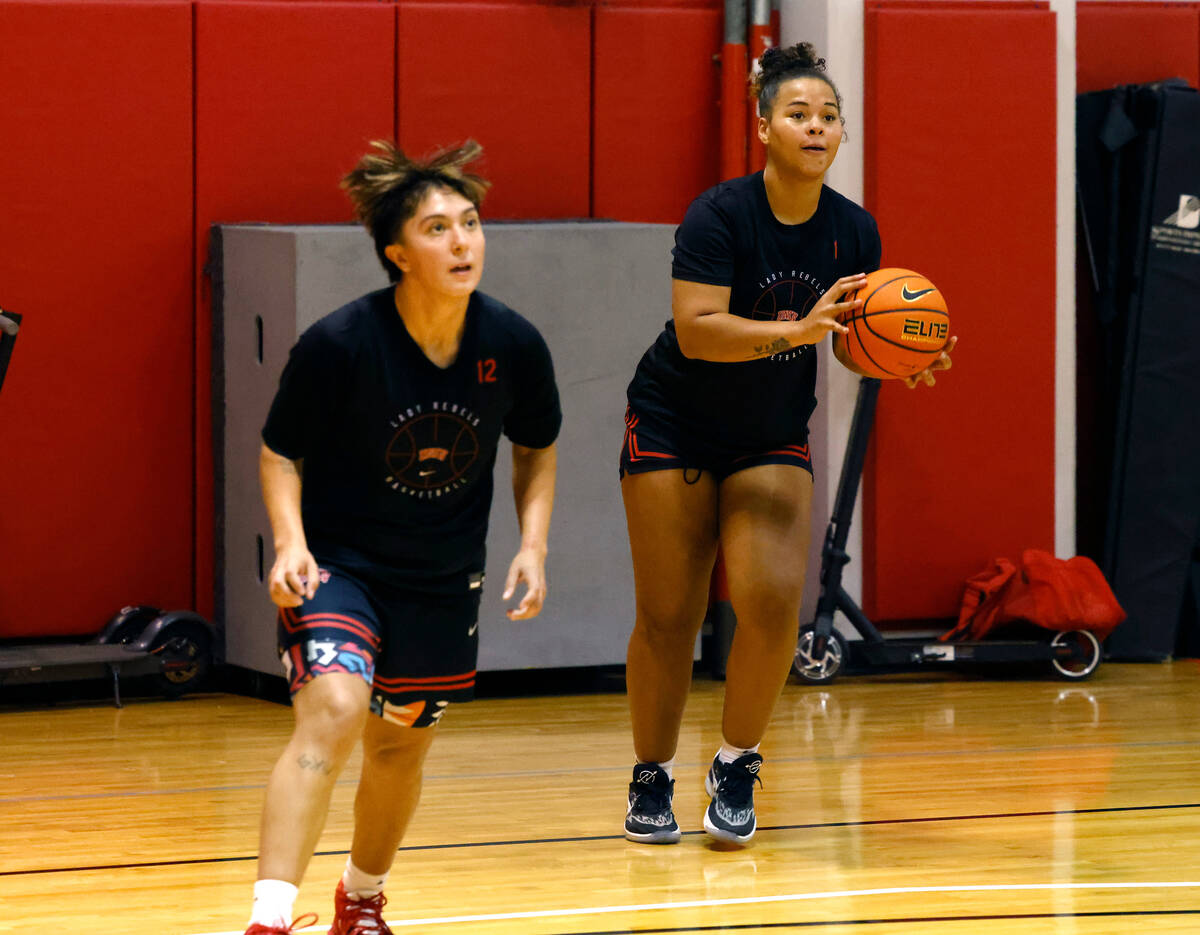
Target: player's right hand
x=294 y=577
x=823 y=317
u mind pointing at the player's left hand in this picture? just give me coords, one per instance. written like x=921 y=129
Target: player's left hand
x=529 y=566
x=941 y=363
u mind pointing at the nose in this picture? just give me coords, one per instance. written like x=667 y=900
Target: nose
x=816 y=128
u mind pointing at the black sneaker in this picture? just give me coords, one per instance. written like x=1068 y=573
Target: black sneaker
x=730 y=814
x=650 y=819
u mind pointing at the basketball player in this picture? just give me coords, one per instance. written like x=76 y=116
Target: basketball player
x=716 y=448
x=377 y=474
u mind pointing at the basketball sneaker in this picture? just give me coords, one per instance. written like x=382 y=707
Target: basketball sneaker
x=358 y=916
x=650 y=819
x=259 y=929
x=730 y=814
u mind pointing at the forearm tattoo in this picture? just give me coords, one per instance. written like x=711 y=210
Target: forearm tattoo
x=779 y=344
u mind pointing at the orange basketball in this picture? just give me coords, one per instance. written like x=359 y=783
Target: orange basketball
x=901 y=327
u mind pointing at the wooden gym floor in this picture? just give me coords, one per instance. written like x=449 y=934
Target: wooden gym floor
x=891 y=805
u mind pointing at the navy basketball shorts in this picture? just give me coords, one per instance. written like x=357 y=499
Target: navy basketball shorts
x=649 y=446
x=417 y=651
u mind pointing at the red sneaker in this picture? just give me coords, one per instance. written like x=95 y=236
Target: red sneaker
x=259 y=929
x=358 y=916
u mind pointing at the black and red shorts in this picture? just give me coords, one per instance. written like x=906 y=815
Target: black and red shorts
x=651 y=446
x=417 y=651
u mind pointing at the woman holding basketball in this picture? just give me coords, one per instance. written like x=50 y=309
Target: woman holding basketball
x=716 y=447
x=376 y=470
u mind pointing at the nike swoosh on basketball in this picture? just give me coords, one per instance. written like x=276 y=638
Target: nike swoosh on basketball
x=913 y=296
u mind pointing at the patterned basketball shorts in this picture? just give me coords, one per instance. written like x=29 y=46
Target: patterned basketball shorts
x=417 y=651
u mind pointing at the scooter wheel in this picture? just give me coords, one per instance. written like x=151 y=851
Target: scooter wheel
x=1076 y=654
x=818 y=671
x=185 y=653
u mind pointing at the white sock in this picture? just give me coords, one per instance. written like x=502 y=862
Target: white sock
x=273 y=903
x=728 y=753
x=359 y=884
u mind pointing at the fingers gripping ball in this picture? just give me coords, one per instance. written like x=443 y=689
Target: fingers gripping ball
x=901 y=327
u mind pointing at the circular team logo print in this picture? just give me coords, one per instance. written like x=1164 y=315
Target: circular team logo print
x=786 y=300
x=432 y=451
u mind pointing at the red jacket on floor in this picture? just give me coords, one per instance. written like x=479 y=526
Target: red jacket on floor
x=1055 y=593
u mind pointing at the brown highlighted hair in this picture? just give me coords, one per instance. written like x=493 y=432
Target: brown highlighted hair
x=776 y=66
x=387 y=186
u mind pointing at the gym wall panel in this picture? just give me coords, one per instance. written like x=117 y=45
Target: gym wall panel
x=96 y=253
x=960 y=174
x=1134 y=43
x=288 y=96
x=517 y=78
x=656 y=124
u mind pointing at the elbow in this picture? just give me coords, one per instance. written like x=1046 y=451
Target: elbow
x=687 y=341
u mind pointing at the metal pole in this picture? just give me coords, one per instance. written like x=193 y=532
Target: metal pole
x=733 y=91
x=761 y=39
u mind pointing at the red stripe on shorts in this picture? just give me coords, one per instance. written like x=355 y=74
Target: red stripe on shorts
x=293 y=624
x=465 y=676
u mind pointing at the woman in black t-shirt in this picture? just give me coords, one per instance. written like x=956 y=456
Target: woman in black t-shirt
x=376 y=470
x=716 y=446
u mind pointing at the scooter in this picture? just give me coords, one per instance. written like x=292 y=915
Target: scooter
x=822 y=652
x=174 y=648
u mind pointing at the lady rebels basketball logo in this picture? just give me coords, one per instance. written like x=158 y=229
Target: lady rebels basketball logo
x=787 y=295
x=433 y=450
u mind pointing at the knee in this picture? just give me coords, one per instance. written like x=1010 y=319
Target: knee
x=771 y=611
x=332 y=716
x=398 y=752
x=665 y=627
x=397 y=744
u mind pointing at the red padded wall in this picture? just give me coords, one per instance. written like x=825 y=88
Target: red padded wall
x=960 y=174
x=95 y=252
x=1132 y=43
x=517 y=78
x=288 y=95
x=655 y=121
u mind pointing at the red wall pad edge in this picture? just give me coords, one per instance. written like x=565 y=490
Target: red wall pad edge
x=95 y=252
x=717 y=5
x=961 y=177
x=517 y=78
x=974 y=6
x=656 y=122
x=288 y=96
x=1135 y=43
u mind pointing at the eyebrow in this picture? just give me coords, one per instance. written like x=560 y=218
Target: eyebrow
x=832 y=104
x=445 y=217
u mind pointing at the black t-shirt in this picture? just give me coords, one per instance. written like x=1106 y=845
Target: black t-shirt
x=775 y=271
x=398 y=452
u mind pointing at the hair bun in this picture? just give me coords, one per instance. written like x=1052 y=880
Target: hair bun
x=777 y=65
x=774 y=60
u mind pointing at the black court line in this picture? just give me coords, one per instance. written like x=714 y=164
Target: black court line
x=583 y=839
x=909 y=920
x=624 y=769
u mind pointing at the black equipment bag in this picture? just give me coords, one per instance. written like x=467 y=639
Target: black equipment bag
x=1138 y=162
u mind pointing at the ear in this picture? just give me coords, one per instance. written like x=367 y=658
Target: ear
x=762 y=129
x=395 y=253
